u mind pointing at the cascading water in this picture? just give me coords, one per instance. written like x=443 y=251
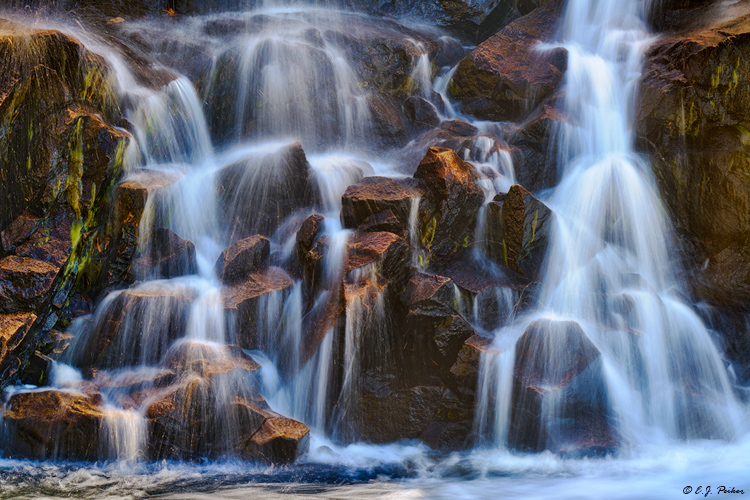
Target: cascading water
x=608 y=270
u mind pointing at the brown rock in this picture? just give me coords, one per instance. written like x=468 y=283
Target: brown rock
x=466 y=368
x=421 y=113
x=24 y=283
x=13 y=329
x=506 y=77
x=54 y=425
x=376 y=195
x=386 y=250
x=278 y=439
x=243 y=258
x=446 y=219
x=241 y=304
x=520 y=238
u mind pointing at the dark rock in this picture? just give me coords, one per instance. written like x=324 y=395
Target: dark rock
x=309 y=232
x=421 y=113
x=241 y=304
x=506 y=76
x=53 y=425
x=556 y=364
x=518 y=229
x=389 y=123
x=166 y=256
x=692 y=121
x=376 y=195
x=437 y=335
x=446 y=217
x=466 y=368
x=258 y=193
x=385 y=221
x=243 y=258
x=385 y=250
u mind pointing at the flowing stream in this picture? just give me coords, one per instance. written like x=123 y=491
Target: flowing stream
x=659 y=384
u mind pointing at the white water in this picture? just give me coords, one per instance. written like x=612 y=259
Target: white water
x=665 y=379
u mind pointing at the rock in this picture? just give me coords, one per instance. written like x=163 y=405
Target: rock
x=389 y=123
x=437 y=334
x=13 y=329
x=506 y=76
x=311 y=250
x=241 y=302
x=131 y=196
x=421 y=113
x=692 y=121
x=466 y=368
x=207 y=360
x=53 y=425
x=309 y=232
x=136 y=326
x=386 y=250
x=385 y=221
x=518 y=229
x=556 y=364
x=24 y=283
x=166 y=256
x=430 y=289
x=259 y=192
x=378 y=195
x=446 y=217
x=243 y=258
x=679 y=16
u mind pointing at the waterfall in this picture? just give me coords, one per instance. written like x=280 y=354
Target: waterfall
x=608 y=267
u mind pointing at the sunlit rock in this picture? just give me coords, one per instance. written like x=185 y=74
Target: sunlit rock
x=24 y=283
x=507 y=76
x=13 y=329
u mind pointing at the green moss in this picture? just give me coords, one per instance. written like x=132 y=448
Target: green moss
x=74 y=185
x=428 y=235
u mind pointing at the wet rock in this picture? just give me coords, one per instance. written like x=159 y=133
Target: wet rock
x=207 y=360
x=131 y=196
x=506 y=76
x=446 y=217
x=53 y=425
x=241 y=304
x=437 y=335
x=385 y=250
x=678 y=16
x=389 y=123
x=243 y=258
x=380 y=195
x=24 y=283
x=167 y=256
x=311 y=249
x=518 y=229
x=309 y=231
x=258 y=193
x=466 y=368
x=13 y=329
x=692 y=121
x=556 y=364
x=385 y=221
x=430 y=289
x=421 y=113
x=136 y=327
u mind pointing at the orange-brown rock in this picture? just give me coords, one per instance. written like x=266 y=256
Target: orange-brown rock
x=466 y=368
x=507 y=76
x=446 y=218
x=376 y=195
x=13 y=329
x=243 y=258
x=53 y=425
x=385 y=250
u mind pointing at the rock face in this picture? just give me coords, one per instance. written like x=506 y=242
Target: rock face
x=446 y=217
x=692 y=121
x=506 y=76
x=559 y=394
x=518 y=231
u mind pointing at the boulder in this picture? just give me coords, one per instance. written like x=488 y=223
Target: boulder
x=13 y=329
x=386 y=251
x=518 y=231
x=241 y=305
x=243 y=258
x=465 y=370
x=446 y=216
x=24 y=283
x=437 y=334
x=258 y=193
x=380 y=196
x=692 y=122
x=421 y=113
x=507 y=76
x=560 y=398
x=53 y=425
x=166 y=256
